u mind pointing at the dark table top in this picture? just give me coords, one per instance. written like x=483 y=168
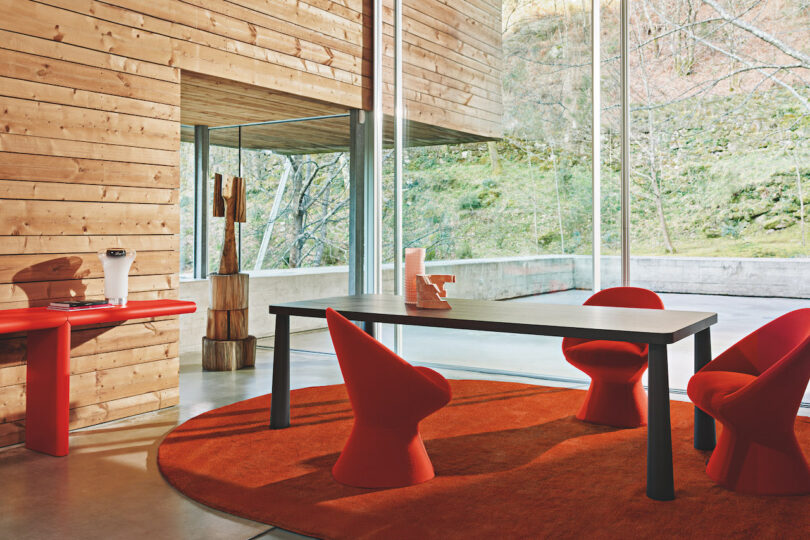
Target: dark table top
x=660 y=326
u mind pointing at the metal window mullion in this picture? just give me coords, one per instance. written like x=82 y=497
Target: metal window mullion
x=398 y=157
x=625 y=134
x=201 y=142
x=377 y=153
x=239 y=224
x=596 y=142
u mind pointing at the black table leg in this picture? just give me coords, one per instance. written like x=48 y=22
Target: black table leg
x=280 y=400
x=368 y=328
x=704 y=423
x=660 y=483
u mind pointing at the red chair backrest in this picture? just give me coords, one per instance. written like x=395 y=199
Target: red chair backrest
x=778 y=340
x=630 y=297
x=382 y=387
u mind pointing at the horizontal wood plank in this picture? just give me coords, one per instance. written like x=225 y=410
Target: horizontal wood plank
x=53 y=244
x=70 y=218
x=100 y=386
x=58 y=191
x=47 y=70
x=62 y=95
x=22 y=144
x=45 y=168
x=14 y=432
x=43 y=292
x=81 y=56
x=40 y=119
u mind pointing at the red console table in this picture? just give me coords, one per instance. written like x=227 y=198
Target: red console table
x=47 y=399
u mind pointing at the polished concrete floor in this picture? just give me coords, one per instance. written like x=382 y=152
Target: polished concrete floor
x=109 y=485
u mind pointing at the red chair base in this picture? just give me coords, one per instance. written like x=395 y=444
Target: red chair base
x=742 y=465
x=615 y=404
x=376 y=457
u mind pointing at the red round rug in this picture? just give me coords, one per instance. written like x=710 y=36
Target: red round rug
x=511 y=462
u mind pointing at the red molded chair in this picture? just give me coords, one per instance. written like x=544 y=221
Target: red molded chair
x=755 y=389
x=389 y=398
x=615 y=396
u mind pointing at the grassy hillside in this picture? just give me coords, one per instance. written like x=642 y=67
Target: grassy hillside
x=729 y=189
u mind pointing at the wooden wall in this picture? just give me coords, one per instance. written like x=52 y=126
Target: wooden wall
x=451 y=64
x=89 y=141
x=90 y=100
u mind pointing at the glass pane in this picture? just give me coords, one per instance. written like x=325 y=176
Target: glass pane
x=302 y=170
x=720 y=145
x=497 y=172
x=223 y=158
x=611 y=144
x=186 y=210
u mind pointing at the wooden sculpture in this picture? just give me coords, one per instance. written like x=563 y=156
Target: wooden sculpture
x=227 y=344
x=430 y=291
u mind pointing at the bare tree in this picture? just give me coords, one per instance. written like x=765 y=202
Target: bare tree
x=318 y=196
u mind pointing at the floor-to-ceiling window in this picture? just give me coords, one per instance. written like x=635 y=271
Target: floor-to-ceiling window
x=719 y=180
x=297 y=191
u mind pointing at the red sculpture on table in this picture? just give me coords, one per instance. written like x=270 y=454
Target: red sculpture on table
x=430 y=293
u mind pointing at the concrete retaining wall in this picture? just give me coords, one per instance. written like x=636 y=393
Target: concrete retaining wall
x=510 y=278
x=781 y=278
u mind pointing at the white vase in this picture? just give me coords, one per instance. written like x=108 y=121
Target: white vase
x=414 y=264
x=116 y=263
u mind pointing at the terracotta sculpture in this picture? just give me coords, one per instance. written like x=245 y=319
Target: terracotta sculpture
x=430 y=291
x=227 y=345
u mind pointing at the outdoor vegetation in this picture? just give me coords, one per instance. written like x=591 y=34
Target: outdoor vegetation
x=720 y=93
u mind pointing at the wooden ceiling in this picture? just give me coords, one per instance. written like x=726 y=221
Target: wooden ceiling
x=210 y=101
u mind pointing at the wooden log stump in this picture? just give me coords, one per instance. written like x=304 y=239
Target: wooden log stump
x=227 y=324
x=229 y=291
x=228 y=355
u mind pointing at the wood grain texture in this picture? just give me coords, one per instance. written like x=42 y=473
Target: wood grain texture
x=48 y=168
x=54 y=244
x=34 y=217
x=228 y=355
x=91 y=97
x=229 y=291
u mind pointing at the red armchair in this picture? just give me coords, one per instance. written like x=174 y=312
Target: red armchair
x=389 y=398
x=754 y=389
x=615 y=396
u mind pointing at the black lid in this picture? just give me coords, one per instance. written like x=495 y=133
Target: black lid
x=116 y=252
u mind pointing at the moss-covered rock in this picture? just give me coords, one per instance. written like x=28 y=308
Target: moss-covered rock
x=778 y=222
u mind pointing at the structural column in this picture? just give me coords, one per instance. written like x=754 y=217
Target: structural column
x=361 y=209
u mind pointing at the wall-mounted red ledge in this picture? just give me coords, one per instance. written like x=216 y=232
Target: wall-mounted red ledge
x=47 y=398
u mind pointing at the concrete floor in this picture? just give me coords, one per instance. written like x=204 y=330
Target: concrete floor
x=109 y=485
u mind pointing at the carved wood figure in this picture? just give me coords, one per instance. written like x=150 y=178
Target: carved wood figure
x=227 y=344
x=430 y=291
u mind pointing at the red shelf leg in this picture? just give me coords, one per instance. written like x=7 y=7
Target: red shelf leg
x=47 y=398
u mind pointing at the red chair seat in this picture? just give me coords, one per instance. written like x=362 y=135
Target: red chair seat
x=708 y=389
x=609 y=354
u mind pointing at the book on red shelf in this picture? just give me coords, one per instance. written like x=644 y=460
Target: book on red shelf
x=79 y=305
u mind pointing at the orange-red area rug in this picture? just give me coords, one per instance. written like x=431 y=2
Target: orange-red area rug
x=511 y=461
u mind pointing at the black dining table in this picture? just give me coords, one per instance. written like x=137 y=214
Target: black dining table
x=655 y=327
